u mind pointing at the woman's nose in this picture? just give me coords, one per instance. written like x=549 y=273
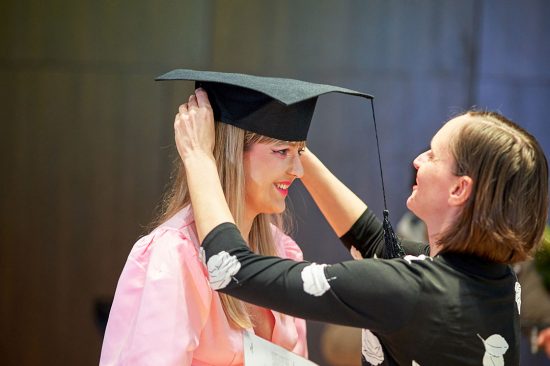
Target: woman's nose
x=419 y=160
x=296 y=167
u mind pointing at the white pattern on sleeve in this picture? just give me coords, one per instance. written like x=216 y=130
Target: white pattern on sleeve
x=315 y=282
x=221 y=267
x=371 y=348
x=495 y=347
x=421 y=257
x=518 y=296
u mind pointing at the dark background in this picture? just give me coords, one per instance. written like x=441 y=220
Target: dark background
x=87 y=143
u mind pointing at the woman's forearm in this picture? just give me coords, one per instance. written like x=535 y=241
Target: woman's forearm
x=194 y=134
x=209 y=205
x=340 y=206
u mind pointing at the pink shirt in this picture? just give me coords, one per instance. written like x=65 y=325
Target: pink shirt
x=164 y=312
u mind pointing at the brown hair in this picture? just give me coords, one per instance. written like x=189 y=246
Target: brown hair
x=230 y=144
x=505 y=215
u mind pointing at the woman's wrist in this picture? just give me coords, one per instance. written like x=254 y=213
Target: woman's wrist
x=308 y=160
x=195 y=157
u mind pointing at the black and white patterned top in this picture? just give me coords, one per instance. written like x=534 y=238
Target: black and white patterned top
x=453 y=309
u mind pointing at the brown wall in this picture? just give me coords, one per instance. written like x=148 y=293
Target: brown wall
x=86 y=150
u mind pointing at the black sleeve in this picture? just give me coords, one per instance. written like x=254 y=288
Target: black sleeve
x=372 y=293
x=367 y=236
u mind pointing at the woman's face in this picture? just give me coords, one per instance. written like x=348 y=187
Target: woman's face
x=435 y=180
x=270 y=168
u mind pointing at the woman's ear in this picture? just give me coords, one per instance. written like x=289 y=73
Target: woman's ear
x=461 y=191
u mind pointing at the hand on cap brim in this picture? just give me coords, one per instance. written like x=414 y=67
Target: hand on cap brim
x=194 y=126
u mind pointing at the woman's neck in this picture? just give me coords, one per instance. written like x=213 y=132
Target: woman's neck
x=434 y=248
x=437 y=228
x=246 y=225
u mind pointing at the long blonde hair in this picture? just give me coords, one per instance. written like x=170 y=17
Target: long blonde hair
x=230 y=144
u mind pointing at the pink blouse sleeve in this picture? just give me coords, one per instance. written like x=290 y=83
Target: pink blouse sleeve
x=161 y=304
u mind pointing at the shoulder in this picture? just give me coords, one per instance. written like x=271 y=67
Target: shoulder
x=286 y=246
x=399 y=277
x=405 y=279
x=392 y=286
x=421 y=268
x=166 y=261
x=173 y=241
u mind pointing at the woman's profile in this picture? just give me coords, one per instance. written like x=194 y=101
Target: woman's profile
x=481 y=189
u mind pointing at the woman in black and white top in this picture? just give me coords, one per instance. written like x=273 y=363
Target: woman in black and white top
x=481 y=189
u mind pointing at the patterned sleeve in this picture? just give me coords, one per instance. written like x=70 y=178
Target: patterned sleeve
x=161 y=304
x=367 y=237
x=354 y=293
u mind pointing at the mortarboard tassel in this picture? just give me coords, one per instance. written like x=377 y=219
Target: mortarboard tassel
x=393 y=248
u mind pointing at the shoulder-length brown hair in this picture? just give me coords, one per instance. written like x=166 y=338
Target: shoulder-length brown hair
x=505 y=215
x=230 y=144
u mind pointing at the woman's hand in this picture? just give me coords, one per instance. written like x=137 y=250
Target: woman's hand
x=194 y=134
x=194 y=126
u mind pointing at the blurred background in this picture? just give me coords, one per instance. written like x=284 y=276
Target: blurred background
x=87 y=137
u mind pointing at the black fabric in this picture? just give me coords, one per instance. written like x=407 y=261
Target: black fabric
x=366 y=236
x=275 y=107
x=253 y=111
x=433 y=311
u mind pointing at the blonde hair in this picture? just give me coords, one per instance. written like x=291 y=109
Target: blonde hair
x=230 y=144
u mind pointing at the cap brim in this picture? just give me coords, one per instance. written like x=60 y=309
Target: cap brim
x=287 y=91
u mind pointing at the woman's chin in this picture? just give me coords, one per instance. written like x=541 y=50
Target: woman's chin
x=279 y=210
x=275 y=209
x=410 y=203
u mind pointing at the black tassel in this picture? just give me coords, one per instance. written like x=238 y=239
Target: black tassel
x=392 y=248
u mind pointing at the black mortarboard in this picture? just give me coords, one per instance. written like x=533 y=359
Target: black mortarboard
x=274 y=107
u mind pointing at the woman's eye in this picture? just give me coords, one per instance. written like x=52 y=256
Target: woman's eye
x=301 y=151
x=282 y=152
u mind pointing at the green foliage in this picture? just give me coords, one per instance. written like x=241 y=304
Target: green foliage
x=542 y=258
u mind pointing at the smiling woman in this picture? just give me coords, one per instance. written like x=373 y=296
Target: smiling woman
x=439 y=194
x=165 y=311
x=270 y=168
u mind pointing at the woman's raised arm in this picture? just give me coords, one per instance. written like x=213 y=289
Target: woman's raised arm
x=340 y=206
x=194 y=133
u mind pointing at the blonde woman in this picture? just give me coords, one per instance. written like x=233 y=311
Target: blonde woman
x=165 y=311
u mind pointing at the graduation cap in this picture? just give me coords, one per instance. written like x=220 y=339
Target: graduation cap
x=274 y=107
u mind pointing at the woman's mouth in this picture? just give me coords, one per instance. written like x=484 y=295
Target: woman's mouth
x=282 y=187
